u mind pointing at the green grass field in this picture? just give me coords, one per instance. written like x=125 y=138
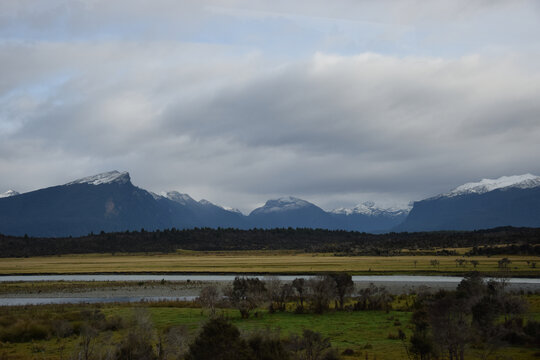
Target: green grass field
x=260 y=262
x=365 y=332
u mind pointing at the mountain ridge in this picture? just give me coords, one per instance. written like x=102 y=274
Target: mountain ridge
x=505 y=201
x=110 y=202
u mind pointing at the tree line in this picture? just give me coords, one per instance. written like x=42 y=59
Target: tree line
x=317 y=294
x=476 y=319
x=522 y=240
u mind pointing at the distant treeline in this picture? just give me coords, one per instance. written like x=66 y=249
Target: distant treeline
x=309 y=240
x=514 y=249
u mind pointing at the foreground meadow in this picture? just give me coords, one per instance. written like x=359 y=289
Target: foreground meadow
x=281 y=262
x=357 y=335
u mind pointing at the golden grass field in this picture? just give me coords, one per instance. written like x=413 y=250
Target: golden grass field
x=260 y=262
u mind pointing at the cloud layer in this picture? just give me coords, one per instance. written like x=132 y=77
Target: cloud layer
x=161 y=92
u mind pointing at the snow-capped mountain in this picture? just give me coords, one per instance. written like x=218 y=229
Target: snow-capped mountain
x=290 y=211
x=369 y=208
x=110 y=202
x=103 y=202
x=369 y=217
x=9 y=193
x=234 y=210
x=104 y=178
x=286 y=203
x=506 y=201
x=525 y=181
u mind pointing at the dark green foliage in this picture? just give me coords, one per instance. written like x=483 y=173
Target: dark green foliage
x=219 y=340
x=135 y=346
x=373 y=298
x=246 y=294
x=448 y=323
x=514 y=249
x=24 y=330
x=322 y=290
x=344 y=287
x=422 y=346
x=265 y=347
x=311 y=346
x=300 y=288
x=314 y=240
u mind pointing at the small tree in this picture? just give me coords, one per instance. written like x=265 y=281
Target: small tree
x=300 y=287
x=172 y=342
x=344 y=286
x=209 y=298
x=87 y=342
x=322 y=290
x=278 y=293
x=138 y=342
x=246 y=294
x=311 y=346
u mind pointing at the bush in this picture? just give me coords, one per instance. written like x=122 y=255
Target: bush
x=266 y=347
x=135 y=346
x=24 y=331
x=62 y=328
x=219 y=340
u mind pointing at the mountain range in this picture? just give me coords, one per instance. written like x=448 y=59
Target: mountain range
x=110 y=202
x=508 y=200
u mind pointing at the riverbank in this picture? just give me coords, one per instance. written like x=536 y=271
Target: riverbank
x=128 y=291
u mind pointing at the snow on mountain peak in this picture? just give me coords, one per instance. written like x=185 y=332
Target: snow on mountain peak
x=235 y=210
x=180 y=198
x=486 y=185
x=369 y=208
x=104 y=178
x=9 y=193
x=285 y=203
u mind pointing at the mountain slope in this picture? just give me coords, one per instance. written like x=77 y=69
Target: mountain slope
x=509 y=200
x=291 y=212
x=84 y=206
x=369 y=217
x=207 y=214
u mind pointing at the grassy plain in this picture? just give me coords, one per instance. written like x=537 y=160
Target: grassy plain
x=262 y=262
x=365 y=332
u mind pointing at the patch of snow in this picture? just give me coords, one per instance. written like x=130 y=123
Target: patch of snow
x=235 y=210
x=155 y=196
x=286 y=203
x=9 y=193
x=205 y=202
x=180 y=198
x=104 y=178
x=369 y=208
x=525 y=181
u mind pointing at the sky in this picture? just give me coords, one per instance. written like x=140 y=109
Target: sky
x=239 y=102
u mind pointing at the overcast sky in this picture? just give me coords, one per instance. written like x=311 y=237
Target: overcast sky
x=336 y=102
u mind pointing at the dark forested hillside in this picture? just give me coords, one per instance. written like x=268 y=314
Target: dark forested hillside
x=345 y=242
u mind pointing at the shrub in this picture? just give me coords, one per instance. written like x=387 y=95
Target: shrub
x=219 y=340
x=23 y=331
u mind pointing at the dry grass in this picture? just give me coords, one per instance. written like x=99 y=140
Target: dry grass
x=258 y=262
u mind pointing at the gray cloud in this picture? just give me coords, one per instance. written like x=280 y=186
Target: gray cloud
x=231 y=123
